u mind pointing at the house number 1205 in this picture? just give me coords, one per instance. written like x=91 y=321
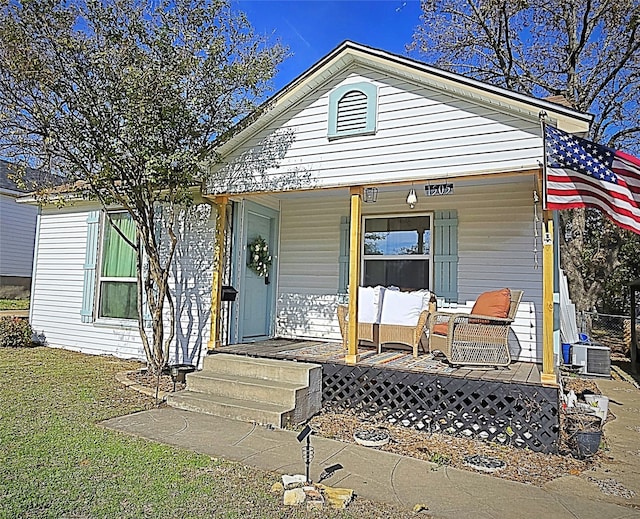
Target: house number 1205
x=438 y=189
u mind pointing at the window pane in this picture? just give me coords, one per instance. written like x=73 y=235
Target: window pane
x=118 y=257
x=397 y=236
x=118 y=300
x=406 y=274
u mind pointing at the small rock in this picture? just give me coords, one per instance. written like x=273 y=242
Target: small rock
x=277 y=488
x=312 y=492
x=314 y=498
x=420 y=507
x=293 y=497
x=337 y=497
x=296 y=480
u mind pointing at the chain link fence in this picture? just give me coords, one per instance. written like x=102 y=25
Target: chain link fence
x=609 y=330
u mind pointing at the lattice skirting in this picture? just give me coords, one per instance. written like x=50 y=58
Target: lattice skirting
x=521 y=415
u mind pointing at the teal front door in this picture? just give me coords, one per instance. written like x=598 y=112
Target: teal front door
x=257 y=292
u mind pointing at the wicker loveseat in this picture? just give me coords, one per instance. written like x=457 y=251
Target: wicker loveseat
x=478 y=338
x=403 y=319
x=388 y=316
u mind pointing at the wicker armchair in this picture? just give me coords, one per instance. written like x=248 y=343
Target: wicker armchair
x=474 y=339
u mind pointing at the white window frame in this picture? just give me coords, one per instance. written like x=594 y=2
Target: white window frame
x=374 y=257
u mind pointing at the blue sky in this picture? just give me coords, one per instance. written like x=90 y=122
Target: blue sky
x=312 y=28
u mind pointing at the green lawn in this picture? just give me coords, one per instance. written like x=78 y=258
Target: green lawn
x=56 y=462
x=14 y=304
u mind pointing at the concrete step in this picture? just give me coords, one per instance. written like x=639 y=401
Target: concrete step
x=244 y=388
x=268 y=391
x=236 y=409
x=251 y=367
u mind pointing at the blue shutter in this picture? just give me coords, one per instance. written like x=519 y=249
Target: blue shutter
x=445 y=254
x=91 y=256
x=343 y=259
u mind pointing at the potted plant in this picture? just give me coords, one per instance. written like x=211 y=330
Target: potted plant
x=584 y=432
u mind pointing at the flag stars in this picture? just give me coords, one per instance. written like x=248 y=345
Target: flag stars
x=578 y=154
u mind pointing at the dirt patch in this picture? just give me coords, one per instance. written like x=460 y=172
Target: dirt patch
x=148 y=379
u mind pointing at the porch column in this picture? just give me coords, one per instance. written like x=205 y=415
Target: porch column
x=355 y=234
x=548 y=376
x=218 y=265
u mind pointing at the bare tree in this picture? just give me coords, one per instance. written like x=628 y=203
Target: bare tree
x=124 y=99
x=587 y=51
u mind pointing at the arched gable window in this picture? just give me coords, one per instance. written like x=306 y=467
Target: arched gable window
x=353 y=110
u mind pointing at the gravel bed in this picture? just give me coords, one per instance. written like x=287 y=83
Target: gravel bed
x=612 y=487
x=521 y=465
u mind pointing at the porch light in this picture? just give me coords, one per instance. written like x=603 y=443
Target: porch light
x=412 y=198
x=370 y=195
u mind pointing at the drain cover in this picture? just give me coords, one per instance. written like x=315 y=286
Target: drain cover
x=372 y=437
x=484 y=463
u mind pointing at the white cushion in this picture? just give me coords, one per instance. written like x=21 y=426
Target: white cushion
x=401 y=308
x=426 y=297
x=369 y=304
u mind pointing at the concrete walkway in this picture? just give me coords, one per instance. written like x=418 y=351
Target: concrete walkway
x=404 y=481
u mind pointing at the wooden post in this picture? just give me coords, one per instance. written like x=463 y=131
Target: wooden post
x=548 y=376
x=218 y=266
x=355 y=234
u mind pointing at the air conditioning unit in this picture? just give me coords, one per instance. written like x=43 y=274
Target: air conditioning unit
x=593 y=359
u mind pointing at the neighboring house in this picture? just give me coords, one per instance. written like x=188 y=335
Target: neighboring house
x=294 y=175
x=17 y=232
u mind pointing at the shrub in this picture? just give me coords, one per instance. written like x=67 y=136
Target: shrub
x=14 y=292
x=15 y=333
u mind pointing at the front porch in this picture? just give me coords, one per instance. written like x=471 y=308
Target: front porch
x=508 y=406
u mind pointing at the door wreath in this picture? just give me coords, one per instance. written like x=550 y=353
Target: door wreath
x=259 y=259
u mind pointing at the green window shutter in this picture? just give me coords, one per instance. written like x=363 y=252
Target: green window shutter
x=91 y=255
x=343 y=260
x=445 y=257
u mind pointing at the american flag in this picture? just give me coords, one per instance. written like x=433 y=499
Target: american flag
x=581 y=173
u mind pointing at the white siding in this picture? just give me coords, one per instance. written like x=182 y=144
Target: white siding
x=420 y=134
x=58 y=286
x=308 y=266
x=191 y=283
x=17 y=235
x=495 y=248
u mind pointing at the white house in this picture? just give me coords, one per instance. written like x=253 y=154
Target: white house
x=359 y=121
x=17 y=232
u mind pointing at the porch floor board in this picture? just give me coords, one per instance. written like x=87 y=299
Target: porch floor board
x=517 y=372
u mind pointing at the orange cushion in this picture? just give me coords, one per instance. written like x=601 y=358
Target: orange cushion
x=494 y=304
x=441 y=328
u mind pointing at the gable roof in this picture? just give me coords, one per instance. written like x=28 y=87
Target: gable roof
x=32 y=178
x=7 y=181
x=350 y=53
